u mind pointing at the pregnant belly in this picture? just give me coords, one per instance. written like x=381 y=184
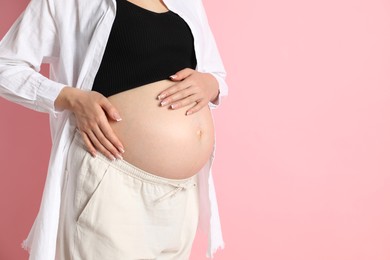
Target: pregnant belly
x=160 y=140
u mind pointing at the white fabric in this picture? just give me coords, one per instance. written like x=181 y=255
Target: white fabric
x=71 y=35
x=112 y=210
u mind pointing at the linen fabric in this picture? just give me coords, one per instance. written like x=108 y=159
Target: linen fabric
x=114 y=210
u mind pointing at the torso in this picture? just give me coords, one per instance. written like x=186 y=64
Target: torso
x=160 y=140
x=157 y=139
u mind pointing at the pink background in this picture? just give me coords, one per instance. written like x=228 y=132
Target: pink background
x=303 y=158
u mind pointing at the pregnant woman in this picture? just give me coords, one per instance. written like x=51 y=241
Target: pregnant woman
x=129 y=96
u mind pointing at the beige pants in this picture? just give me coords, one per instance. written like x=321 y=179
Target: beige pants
x=115 y=211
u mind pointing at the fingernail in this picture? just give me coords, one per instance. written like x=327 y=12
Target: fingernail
x=173 y=106
x=121 y=149
x=161 y=96
x=112 y=158
x=164 y=103
x=173 y=76
x=188 y=113
x=94 y=154
x=118 y=156
x=117 y=117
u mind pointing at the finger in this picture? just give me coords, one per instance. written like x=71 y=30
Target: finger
x=185 y=100
x=111 y=111
x=112 y=138
x=196 y=108
x=106 y=129
x=172 y=90
x=167 y=95
x=179 y=76
x=182 y=74
x=110 y=149
x=99 y=146
x=88 y=144
x=180 y=95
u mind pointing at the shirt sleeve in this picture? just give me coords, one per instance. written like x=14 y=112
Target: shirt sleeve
x=31 y=41
x=212 y=59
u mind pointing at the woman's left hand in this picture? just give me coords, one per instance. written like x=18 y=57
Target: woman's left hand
x=193 y=86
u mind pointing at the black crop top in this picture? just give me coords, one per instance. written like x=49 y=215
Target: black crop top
x=143 y=47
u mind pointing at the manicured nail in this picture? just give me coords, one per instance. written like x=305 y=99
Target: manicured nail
x=112 y=157
x=188 y=113
x=94 y=154
x=118 y=156
x=173 y=106
x=164 y=103
x=173 y=76
x=117 y=117
x=121 y=149
x=161 y=96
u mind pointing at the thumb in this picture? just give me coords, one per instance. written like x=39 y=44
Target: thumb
x=111 y=110
x=182 y=74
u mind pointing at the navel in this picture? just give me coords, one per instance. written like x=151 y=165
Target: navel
x=199 y=133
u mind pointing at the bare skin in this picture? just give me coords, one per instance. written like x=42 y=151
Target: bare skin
x=157 y=133
x=172 y=142
x=161 y=140
x=154 y=6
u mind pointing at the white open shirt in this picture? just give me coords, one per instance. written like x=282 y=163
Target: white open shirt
x=71 y=36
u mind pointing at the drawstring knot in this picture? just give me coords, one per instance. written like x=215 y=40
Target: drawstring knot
x=178 y=187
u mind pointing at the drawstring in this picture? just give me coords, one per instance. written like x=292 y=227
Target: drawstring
x=178 y=187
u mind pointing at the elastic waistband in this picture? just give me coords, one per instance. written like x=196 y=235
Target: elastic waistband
x=136 y=172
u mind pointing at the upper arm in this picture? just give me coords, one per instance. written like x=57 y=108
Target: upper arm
x=31 y=40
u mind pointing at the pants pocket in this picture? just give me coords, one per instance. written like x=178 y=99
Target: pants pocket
x=88 y=185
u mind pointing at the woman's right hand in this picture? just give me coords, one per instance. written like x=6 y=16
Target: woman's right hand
x=92 y=111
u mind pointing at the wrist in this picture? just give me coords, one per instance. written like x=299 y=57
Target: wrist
x=65 y=99
x=215 y=99
x=215 y=85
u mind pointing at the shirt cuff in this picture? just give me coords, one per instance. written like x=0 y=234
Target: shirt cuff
x=47 y=93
